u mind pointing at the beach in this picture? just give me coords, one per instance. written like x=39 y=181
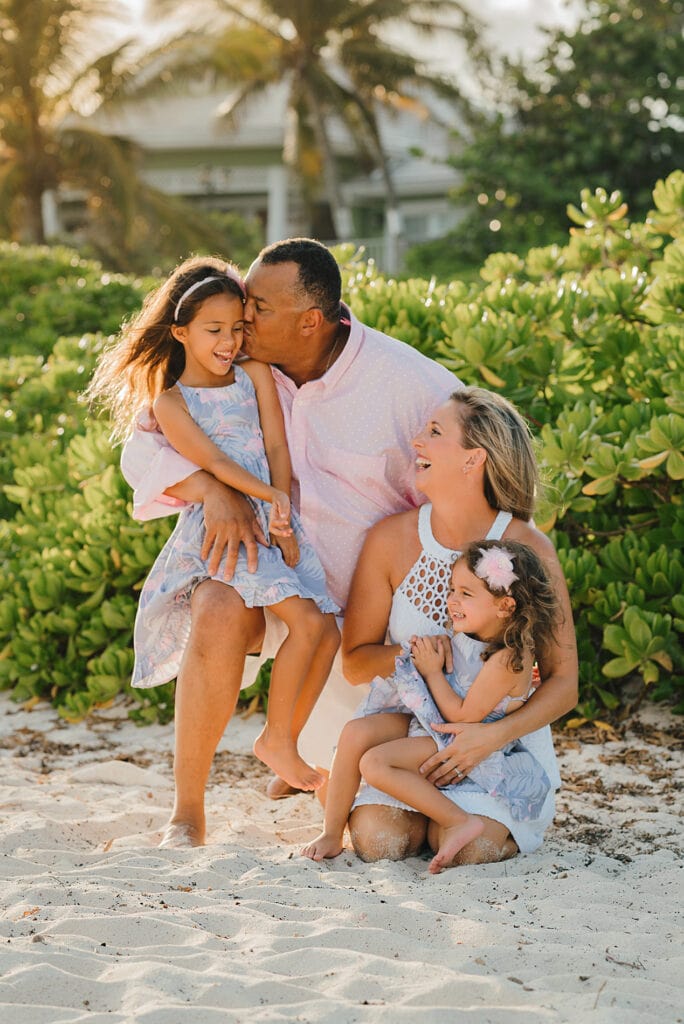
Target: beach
x=100 y=925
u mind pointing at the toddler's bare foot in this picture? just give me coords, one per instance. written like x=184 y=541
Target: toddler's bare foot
x=179 y=835
x=453 y=840
x=325 y=845
x=282 y=758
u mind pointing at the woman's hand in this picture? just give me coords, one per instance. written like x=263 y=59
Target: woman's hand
x=229 y=521
x=472 y=743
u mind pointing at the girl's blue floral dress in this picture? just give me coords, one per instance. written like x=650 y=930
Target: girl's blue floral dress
x=230 y=417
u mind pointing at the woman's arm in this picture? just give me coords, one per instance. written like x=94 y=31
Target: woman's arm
x=183 y=433
x=558 y=667
x=364 y=651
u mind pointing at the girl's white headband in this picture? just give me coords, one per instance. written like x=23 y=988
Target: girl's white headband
x=198 y=284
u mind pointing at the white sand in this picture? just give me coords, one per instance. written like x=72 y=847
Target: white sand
x=100 y=926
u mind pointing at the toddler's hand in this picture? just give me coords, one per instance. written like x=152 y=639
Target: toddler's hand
x=427 y=655
x=279 y=517
x=289 y=548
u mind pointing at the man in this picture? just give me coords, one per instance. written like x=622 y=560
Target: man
x=352 y=400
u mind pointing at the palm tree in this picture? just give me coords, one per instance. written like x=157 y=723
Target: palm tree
x=44 y=73
x=336 y=62
x=50 y=75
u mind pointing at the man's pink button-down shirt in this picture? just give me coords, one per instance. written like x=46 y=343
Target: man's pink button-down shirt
x=349 y=435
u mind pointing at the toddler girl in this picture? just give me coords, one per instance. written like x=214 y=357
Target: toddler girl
x=179 y=356
x=502 y=606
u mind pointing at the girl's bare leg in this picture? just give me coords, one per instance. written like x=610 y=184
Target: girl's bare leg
x=299 y=668
x=316 y=679
x=317 y=676
x=222 y=632
x=356 y=738
x=494 y=843
x=393 y=768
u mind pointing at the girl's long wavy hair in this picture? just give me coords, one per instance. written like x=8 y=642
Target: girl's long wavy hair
x=511 y=477
x=145 y=358
x=532 y=624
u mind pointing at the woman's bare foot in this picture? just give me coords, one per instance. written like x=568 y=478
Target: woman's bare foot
x=325 y=845
x=283 y=759
x=179 y=835
x=454 y=839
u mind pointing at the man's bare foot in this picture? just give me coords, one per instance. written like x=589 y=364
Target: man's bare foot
x=453 y=840
x=283 y=759
x=179 y=835
x=325 y=845
x=278 y=789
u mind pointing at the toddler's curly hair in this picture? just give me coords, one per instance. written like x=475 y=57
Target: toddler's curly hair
x=533 y=622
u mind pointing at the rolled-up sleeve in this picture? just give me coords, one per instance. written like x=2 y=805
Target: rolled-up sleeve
x=150 y=465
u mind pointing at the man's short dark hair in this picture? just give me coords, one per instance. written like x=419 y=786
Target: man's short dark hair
x=319 y=280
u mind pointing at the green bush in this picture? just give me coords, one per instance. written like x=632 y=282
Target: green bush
x=50 y=293
x=586 y=339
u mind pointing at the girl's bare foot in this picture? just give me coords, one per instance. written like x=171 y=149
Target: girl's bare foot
x=325 y=845
x=179 y=835
x=453 y=840
x=282 y=758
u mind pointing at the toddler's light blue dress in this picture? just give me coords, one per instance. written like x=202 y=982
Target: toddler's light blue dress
x=520 y=780
x=230 y=417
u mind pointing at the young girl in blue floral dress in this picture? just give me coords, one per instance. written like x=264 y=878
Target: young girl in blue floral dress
x=179 y=357
x=501 y=606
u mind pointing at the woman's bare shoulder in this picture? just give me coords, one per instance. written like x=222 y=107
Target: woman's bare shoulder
x=395 y=529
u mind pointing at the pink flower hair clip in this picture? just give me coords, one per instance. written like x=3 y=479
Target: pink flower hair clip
x=495 y=567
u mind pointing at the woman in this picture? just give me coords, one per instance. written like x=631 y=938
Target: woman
x=475 y=465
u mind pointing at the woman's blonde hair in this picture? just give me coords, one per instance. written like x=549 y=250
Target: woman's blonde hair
x=146 y=359
x=511 y=477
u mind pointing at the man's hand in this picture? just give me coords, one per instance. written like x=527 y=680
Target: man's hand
x=289 y=548
x=229 y=521
x=472 y=743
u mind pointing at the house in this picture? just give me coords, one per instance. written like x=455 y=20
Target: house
x=190 y=150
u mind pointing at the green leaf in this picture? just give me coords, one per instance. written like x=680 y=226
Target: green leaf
x=617 y=667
